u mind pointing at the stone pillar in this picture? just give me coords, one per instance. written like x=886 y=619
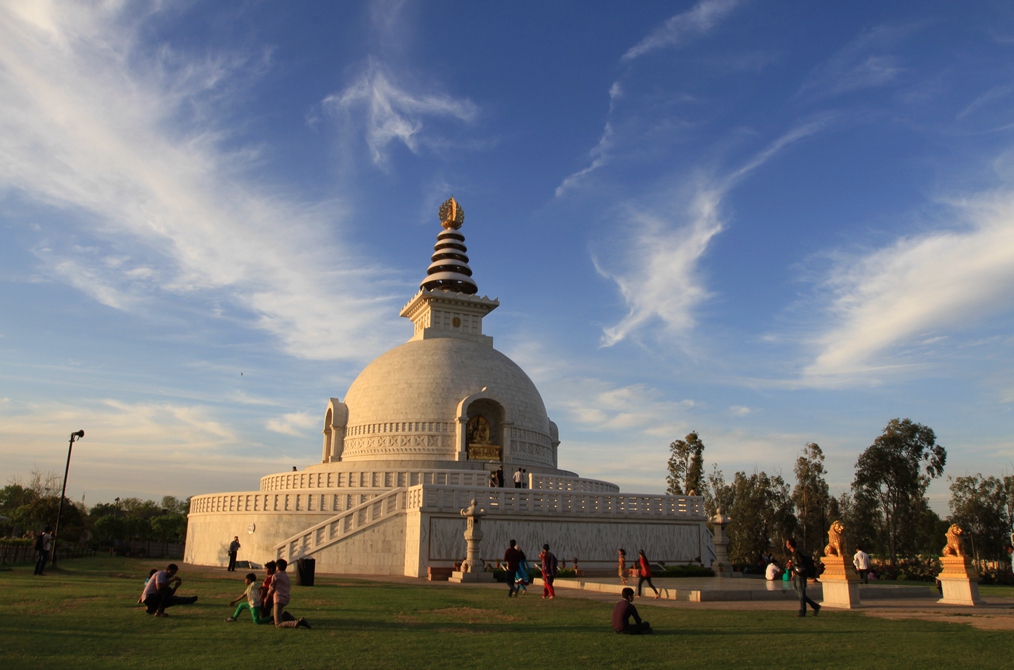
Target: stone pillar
x=959 y=580
x=721 y=566
x=472 y=569
x=839 y=581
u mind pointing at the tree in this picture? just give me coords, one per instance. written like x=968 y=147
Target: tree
x=811 y=496
x=761 y=512
x=891 y=480
x=978 y=506
x=717 y=494
x=686 y=466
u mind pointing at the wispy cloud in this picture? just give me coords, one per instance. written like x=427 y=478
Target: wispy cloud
x=295 y=424
x=681 y=28
x=661 y=276
x=866 y=62
x=390 y=112
x=122 y=137
x=945 y=280
x=675 y=31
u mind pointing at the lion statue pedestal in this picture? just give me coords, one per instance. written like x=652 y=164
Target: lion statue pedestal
x=959 y=580
x=839 y=581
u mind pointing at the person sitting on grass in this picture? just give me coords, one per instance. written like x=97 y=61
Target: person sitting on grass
x=280 y=587
x=253 y=601
x=160 y=591
x=623 y=612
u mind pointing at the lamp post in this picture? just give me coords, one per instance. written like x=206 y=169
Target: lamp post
x=59 y=512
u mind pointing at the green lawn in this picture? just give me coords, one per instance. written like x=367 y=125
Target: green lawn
x=85 y=616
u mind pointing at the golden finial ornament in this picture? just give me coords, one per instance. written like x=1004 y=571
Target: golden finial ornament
x=451 y=214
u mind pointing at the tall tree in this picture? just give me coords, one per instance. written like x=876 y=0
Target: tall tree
x=762 y=518
x=686 y=466
x=811 y=496
x=717 y=494
x=892 y=476
x=977 y=505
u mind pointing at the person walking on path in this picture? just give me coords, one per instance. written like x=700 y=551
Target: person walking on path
x=512 y=557
x=621 y=567
x=550 y=567
x=799 y=575
x=253 y=601
x=644 y=574
x=43 y=545
x=517 y=479
x=862 y=562
x=521 y=578
x=280 y=589
x=623 y=612
x=233 y=550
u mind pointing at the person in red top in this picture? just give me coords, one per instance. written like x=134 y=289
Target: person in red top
x=645 y=575
x=622 y=613
x=267 y=605
x=512 y=557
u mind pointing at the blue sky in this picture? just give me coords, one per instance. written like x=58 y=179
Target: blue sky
x=772 y=223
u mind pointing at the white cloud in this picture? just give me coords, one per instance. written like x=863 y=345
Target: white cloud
x=391 y=112
x=944 y=280
x=682 y=27
x=123 y=140
x=660 y=277
x=296 y=424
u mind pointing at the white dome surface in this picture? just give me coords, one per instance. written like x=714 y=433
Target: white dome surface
x=404 y=405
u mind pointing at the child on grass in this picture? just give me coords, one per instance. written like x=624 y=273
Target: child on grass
x=253 y=601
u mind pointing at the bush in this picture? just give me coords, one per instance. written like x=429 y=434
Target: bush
x=16 y=542
x=998 y=577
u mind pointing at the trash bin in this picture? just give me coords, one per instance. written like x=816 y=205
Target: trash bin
x=304 y=570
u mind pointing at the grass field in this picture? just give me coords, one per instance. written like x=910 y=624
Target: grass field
x=85 y=616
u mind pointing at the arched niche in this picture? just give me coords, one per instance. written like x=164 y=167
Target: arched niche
x=474 y=410
x=336 y=420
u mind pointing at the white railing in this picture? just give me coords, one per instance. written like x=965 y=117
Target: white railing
x=429 y=498
x=441 y=498
x=301 y=502
x=342 y=525
x=560 y=483
x=381 y=479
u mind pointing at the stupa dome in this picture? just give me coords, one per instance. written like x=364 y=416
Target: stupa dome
x=406 y=404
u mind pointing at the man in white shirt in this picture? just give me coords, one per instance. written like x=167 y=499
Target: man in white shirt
x=517 y=479
x=772 y=573
x=862 y=562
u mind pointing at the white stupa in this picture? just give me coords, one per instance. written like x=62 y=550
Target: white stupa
x=420 y=433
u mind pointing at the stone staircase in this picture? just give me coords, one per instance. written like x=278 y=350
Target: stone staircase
x=342 y=525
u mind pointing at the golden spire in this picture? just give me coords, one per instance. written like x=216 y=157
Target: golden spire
x=451 y=214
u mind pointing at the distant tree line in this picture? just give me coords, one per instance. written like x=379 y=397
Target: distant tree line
x=32 y=506
x=885 y=511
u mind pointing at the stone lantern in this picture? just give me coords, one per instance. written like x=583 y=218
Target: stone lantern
x=721 y=566
x=472 y=568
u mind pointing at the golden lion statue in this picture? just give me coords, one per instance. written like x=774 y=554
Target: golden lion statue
x=835 y=543
x=955 y=541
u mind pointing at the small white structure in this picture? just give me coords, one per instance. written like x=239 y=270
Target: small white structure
x=419 y=435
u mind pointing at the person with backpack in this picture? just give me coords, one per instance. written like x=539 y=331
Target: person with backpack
x=550 y=567
x=803 y=568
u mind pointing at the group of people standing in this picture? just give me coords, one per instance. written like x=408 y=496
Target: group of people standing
x=520 y=478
